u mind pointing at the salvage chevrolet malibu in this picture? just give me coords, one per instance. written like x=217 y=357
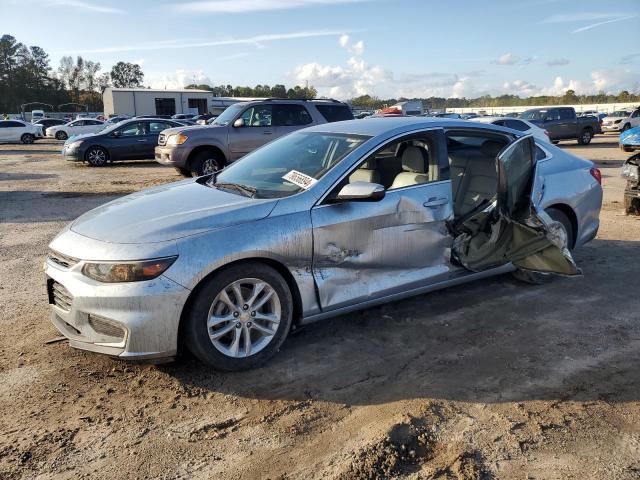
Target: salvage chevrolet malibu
x=326 y=220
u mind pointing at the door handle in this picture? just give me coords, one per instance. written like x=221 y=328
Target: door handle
x=267 y=132
x=142 y=140
x=435 y=202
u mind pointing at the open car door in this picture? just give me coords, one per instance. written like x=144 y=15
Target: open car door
x=511 y=229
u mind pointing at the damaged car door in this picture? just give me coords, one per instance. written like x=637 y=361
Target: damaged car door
x=512 y=228
x=367 y=249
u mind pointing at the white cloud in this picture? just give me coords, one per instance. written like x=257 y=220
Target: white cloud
x=343 y=40
x=355 y=48
x=257 y=41
x=244 y=6
x=603 y=17
x=557 y=62
x=180 y=79
x=81 y=5
x=507 y=59
x=613 y=81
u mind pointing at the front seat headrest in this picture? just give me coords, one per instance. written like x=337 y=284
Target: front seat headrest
x=414 y=160
x=491 y=148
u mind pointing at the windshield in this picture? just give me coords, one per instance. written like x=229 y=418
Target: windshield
x=534 y=114
x=228 y=115
x=620 y=113
x=301 y=157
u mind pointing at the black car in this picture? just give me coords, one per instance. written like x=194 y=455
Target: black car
x=129 y=140
x=49 y=122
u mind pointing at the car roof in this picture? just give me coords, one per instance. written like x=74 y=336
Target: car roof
x=393 y=125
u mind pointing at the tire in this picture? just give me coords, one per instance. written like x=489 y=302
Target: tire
x=61 y=135
x=205 y=163
x=585 y=136
x=536 y=278
x=96 y=156
x=27 y=138
x=185 y=172
x=627 y=149
x=626 y=127
x=236 y=323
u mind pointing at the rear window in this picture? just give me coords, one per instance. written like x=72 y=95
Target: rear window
x=517 y=125
x=335 y=113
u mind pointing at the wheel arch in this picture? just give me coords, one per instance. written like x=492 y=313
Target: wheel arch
x=276 y=265
x=573 y=218
x=205 y=148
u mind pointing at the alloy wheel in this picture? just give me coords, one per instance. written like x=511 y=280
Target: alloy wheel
x=244 y=317
x=97 y=156
x=209 y=166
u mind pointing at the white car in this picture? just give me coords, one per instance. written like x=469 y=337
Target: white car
x=19 y=131
x=516 y=124
x=621 y=120
x=77 y=127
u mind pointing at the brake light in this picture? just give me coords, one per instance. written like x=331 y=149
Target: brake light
x=547 y=133
x=595 y=173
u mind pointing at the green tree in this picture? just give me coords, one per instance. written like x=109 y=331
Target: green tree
x=126 y=75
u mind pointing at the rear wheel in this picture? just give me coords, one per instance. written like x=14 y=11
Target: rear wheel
x=185 y=172
x=61 y=135
x=97 y=156
x=537 y=278
x=585 y=136
x=206 y=163
x=27 y=138
x=240 y=317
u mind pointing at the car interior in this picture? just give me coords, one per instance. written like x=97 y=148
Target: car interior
x=472 y=160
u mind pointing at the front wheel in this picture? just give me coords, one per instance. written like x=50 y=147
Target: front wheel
x=206 y=163
x=585 y=137
x=97 y=156
x=626 y=127
x=27 y=138
x=240 y=317
x=537 y=278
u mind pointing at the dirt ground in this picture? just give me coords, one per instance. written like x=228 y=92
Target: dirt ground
x=495 y=379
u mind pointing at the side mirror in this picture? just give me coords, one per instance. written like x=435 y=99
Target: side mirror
x=361 y=192
x=238 y=123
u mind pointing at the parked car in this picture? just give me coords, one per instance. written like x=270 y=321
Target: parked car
x=183 y=116
x=166 y=117
x=76 y=127
x=240 y=129
x=19 y=131
x=516 y=124
x=204 y=118
x=631 y=171
x=327 y=220
x=128 y=140
x=117 y=119
x=562 y=123
x=37 y=115
x=468 y=116
x=49 y=122
x=630 y=139
x=456 y=116
x=186 y=122
x=621 y=120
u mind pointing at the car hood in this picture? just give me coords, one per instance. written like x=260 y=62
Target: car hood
x=169 y=212
x=630 y=137
x=186 y=130
x=75 y=138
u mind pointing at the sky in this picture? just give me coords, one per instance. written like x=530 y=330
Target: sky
x=345 y=48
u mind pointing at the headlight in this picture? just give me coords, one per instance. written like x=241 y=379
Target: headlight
x=114 y=272
x=630 y=172
x=74 y=145
x=177 y=139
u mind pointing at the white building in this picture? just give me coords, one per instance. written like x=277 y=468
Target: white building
x=143 y=101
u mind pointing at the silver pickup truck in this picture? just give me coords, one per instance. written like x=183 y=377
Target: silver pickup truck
x=240 y=129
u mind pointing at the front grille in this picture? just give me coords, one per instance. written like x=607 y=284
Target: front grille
x=162 y=139
x=59 y=296
x=105 y=327
x=62 y=260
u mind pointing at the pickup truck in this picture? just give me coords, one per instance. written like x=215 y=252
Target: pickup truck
x=562 y=123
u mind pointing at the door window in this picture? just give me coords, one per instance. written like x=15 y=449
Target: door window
x=134 y=130
x=290 y=115
x=515 y=167
x=552 y=115
x=77 y=123
x=13 y=124
x=157 y=127
x=257 y=116
x=566 y=114
x=517 y=125
x=335 y=113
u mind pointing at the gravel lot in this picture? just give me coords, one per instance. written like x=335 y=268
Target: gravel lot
x=495 y=379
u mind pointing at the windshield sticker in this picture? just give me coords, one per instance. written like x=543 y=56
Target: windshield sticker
x=300 y=179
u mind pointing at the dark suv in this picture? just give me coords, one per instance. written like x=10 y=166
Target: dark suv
x=240 y=129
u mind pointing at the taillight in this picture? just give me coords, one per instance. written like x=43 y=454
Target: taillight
x=595 y=173
x=547 y=133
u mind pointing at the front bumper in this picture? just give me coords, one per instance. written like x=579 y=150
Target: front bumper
x=72 y=155
x=137 y=320
x=612 y=128
x=171 y=156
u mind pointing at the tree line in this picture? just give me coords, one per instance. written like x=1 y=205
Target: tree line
x=439 y=103
x=260 y=91
x=26 y=76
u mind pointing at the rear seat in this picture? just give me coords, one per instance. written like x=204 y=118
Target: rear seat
x=473 y=175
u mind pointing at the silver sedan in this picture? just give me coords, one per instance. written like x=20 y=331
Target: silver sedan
x=324 y=221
